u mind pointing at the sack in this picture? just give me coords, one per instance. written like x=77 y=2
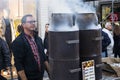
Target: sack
x=2 y=78
x=114 y=63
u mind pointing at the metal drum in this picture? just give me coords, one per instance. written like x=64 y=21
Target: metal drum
x=63 y=48
x=90 y=49
x=90 y=45
x=64 y=55
x=70 y=50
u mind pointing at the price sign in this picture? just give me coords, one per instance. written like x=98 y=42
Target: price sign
x=88 y=70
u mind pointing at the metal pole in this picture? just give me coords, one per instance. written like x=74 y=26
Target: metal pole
x=112 y=13
x=94 y=4
x=37 y=15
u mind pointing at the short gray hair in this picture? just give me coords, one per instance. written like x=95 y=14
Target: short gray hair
x=23 y=20
x=107 y=24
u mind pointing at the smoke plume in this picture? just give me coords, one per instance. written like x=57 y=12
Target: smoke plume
x=70 y=6
x=62 y=7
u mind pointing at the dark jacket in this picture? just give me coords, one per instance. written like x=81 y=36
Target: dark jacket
x=46 y=40
x=46 y=43
x=5 y=56
x=24 y=57
x=105 y=42
x=116 y=48
x=8 y=32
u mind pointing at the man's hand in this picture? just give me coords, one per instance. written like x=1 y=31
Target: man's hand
x=8 y=70
x=47 y=68
x=22 y=75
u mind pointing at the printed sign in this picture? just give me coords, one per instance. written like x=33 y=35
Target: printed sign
x=88 y=70
x=114 y=17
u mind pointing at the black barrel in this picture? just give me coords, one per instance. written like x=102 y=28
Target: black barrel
x=90 y=43
x=64 y=55
x=90 y=49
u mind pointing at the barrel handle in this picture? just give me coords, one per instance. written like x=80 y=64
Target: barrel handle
x=99 y=65
x=72 y=41
x=79 y=69
x=98 y=38
x=75 y=70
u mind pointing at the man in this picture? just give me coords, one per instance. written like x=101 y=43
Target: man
x=30 y=60
x=108 y=29
x=46 y=40
x=7 y=28
x=105 y=42
x=5 y=57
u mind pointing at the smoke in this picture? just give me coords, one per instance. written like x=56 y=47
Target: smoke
x=59 y=6
x=70 y=6
x=78 y=6
x=64 y=28
x=73 y=7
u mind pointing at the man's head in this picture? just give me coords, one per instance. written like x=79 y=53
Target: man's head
x=46 y=27
x=108 y=26
x=28 y=22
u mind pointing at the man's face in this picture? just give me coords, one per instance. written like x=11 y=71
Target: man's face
x=110 y=27
x=46 y=27
x=29 y=25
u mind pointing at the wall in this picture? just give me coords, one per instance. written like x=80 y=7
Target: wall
x=16 y=8
x=3 y=5
x=43 y=16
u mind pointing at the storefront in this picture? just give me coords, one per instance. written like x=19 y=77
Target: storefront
x=106 y=9
x=17 y=11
